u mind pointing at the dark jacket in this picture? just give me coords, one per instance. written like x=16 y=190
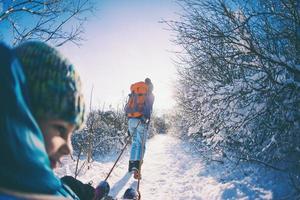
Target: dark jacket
x=83 y=191
x=148 y=105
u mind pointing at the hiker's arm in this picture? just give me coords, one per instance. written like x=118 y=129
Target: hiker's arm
x=148 y=106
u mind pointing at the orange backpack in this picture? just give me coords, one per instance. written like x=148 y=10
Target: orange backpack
x=136 y=101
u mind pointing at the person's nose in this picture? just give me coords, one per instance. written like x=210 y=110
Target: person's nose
x=67 y=148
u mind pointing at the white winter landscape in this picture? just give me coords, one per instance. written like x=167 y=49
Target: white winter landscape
x=172 y=172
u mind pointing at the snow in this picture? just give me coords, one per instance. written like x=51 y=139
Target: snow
x=172 y=171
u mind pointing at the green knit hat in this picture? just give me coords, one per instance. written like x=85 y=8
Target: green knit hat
x=53 y=84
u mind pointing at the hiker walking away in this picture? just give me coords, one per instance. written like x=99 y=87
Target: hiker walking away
x=41 y=105
x=138 y=110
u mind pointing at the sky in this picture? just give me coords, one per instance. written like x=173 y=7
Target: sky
x=125 y=43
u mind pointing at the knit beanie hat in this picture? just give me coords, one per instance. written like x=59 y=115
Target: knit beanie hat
x=54 y=86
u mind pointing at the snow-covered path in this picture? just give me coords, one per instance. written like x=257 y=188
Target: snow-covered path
x=170 y=173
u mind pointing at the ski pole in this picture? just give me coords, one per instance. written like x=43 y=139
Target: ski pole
x=127 y=141
x=140 y=164
x=103 y=188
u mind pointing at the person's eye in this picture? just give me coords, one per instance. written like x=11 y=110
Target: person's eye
x=62 y=130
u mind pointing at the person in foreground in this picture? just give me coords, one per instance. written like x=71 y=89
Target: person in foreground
x=41 y=106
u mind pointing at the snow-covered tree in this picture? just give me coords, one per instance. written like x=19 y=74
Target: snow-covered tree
x=105 y=132
x=160 y=125
x=239 y=85
x=46 y=20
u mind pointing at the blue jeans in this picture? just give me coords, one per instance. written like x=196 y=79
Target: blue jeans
x=138 y=131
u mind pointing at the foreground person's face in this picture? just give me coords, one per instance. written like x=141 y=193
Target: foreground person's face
x=57 y=136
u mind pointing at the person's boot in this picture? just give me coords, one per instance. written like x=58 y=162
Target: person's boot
x=130 y=193
x=133 y=164
x=136 y=173
x=130 y=165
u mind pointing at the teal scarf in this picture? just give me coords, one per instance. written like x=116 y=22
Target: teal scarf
x=24 y=164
